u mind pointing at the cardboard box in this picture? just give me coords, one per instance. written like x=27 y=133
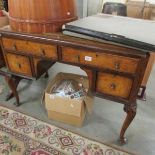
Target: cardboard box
x=70 y=111
x=4 y=20
x=136 y=9
x=153 y=12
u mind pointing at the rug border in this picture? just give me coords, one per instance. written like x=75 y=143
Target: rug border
x=34 y=139
x=92 y=139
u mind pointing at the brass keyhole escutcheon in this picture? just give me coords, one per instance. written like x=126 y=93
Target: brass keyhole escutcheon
x=113 y=86
x=14 y=47
x=19 y=65
x=117 y=65
x=43 y=52
x=77 y=57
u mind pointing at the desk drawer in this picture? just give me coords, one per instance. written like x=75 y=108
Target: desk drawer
x=101 y=60
x=19 y=64
x=45 y=50
x=113 y=85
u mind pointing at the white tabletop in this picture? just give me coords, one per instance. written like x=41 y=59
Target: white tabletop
x=131 y=28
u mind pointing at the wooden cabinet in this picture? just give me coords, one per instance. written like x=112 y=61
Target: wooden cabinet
x=32 y=59
x=100 y=60
x=114 y=85
x=114 y=72
x=29 y=47
x=19 y=64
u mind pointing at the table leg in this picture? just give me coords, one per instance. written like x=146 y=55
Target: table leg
x=131 y=113
x=13 y=84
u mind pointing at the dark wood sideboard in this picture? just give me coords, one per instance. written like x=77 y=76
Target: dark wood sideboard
x=115 y=72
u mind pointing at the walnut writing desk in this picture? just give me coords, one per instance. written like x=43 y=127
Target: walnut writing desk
x=115 y=72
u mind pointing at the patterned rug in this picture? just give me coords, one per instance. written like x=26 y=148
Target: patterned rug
x=24 y=135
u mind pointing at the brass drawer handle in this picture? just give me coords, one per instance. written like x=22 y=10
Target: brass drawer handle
x=43 y=52
x=113 y=86
x=77 y=57
x=19 y=65
x=117 y=65
x=14 y=47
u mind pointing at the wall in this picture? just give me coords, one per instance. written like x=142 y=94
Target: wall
x=94 y=6
x=80 y=8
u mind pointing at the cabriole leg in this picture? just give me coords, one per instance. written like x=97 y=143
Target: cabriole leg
x=13 y=84
x=131 y=113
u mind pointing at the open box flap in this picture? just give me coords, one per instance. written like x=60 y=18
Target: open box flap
x=65 y=105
